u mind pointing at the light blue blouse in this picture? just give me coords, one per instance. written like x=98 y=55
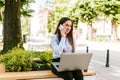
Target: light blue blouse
x=58 y=47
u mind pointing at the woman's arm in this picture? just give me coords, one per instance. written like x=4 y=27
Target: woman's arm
x=57 y=46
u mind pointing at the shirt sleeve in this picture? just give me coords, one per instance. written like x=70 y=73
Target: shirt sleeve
x=57 y=46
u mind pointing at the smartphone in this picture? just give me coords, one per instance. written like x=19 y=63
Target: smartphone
x=61 y=26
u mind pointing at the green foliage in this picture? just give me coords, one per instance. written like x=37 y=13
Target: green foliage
x=17 y=60
x=50 y=22
x=2 y=3
x=25 y=25
x=39 y=66
x=103 y=38
x=20 y=60
x=60 y=10
x=45 y=59
x=88 y=12
x=74 y=13
x=111 y=9
x=25 y=8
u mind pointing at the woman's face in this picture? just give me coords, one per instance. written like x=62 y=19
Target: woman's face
x=67 y=26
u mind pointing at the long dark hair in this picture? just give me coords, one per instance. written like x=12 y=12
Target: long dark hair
x=69 y=35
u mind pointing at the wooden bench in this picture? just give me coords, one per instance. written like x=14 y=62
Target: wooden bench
x=34 y=75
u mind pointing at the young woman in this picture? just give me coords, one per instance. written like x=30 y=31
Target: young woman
x=62 y=41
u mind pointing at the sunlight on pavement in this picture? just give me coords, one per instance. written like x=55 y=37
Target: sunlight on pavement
x=116 y=73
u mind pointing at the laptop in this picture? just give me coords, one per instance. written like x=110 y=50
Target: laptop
x=73 y=61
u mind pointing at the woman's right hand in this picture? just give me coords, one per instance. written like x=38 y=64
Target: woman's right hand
x=63 y=32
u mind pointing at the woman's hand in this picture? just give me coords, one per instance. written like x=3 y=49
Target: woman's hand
x=63 y=32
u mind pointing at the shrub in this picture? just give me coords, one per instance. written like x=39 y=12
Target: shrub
x=20 y=60
x=45 y=60
x=17 y=60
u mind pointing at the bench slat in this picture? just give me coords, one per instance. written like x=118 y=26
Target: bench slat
x=34 y=74
x=27 y=75
x=89 y=73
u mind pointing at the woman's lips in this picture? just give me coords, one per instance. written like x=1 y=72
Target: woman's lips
x=67 y=30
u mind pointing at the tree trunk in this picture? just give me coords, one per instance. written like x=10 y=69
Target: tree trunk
x=12 y=25
x=114 y=36
x=90 y=32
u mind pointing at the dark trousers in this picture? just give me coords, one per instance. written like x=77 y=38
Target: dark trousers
x=67 y=75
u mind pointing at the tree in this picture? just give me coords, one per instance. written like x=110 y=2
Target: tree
x=12 y=36
x=84 y=11
x=88 y=14
x=11 y=25
x=74 y=13
x=111 y=9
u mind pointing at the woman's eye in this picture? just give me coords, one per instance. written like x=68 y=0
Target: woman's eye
x=67 y=25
